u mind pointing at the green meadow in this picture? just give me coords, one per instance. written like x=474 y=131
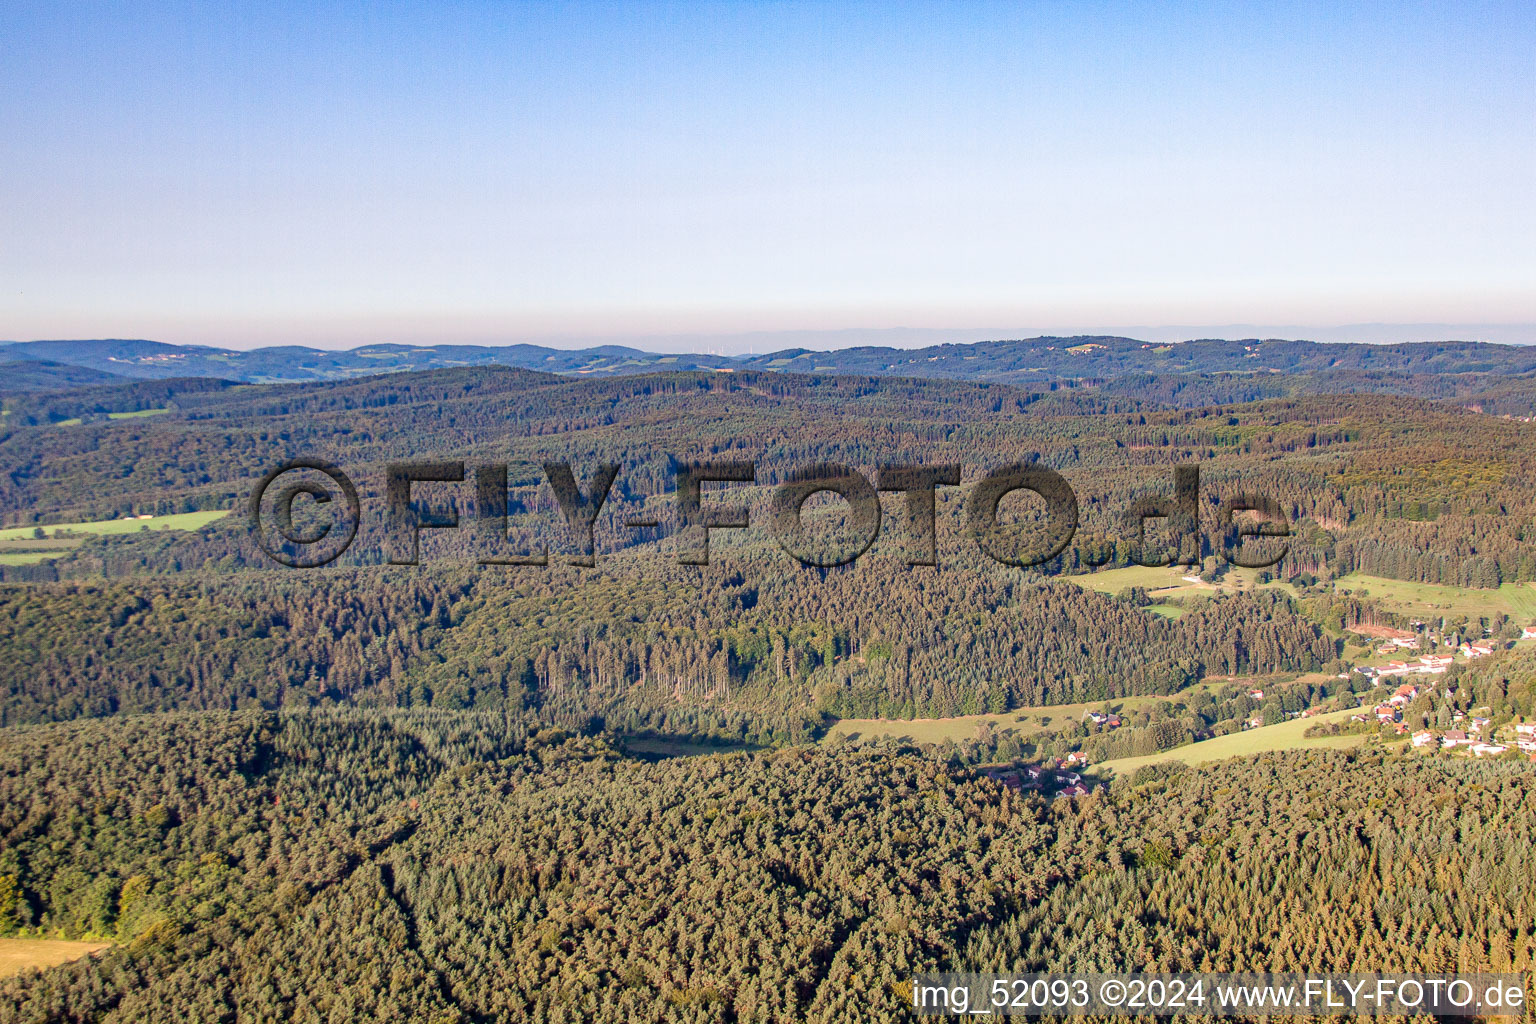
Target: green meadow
x=1517 y=600
x=1285 y=736
x=1023 y=721
x=1169 y=582
x=179 y=521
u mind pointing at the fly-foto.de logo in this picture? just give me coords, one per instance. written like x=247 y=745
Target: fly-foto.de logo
x=325 y=489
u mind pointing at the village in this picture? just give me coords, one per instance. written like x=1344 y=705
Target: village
x=1468 y=733
x=1383 y=706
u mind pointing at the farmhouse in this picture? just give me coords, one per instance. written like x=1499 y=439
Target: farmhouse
x=1423 y=738
x=1454 y=737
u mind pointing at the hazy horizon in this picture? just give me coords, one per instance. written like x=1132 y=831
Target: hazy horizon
x=750 y=342
x=249 y=175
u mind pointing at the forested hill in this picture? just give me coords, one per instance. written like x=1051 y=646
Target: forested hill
x=1108 y=357
x=1417 y=490
x=459 y=868
x=1031 y=360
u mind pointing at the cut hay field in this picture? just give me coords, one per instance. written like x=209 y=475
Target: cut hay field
x=1285 y=736
x=17 y=955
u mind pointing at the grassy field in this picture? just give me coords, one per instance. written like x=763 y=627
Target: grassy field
x=75 y=421
x=1024 y=721
x=1169 y=582
x=180 y=521
x=17 y=955
x=1285 y=736
x=30 y=552
x=1517 y=600
x=1112 y=581
x=27 y=557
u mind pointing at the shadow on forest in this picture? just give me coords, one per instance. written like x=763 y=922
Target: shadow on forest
x=658 y=747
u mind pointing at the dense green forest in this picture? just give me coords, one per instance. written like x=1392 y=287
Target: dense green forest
x=465 y=866
x=1411 y=488
x=613 y=646
x=754 y=646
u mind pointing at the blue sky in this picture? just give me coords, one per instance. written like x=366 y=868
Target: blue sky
x=340 y=174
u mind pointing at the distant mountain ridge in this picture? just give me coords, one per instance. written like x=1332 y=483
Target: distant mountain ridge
x=1017 y=361
x=18 y=375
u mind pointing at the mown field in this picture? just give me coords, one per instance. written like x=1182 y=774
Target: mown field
x=1285 y=736
x=18 y=955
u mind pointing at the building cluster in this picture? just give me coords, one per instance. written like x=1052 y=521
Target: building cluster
x=1428 y=665
x=1477 y=742
x=1055 y=777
